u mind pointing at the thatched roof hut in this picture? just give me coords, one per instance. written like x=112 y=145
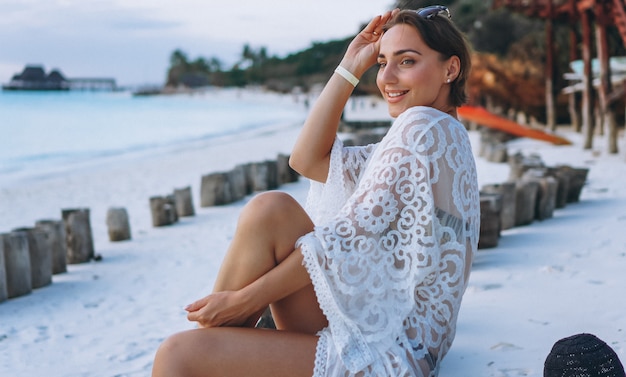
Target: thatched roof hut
x=34 y=77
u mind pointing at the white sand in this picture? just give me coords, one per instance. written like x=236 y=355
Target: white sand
x=543 y=282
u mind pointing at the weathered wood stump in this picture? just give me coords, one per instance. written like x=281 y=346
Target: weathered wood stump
x=490 y=207
x=78 y=236
x=184 y=202
x=562 y=191
x=348 y=142
x=118 y=225
x=215 y=190
x=493 y=145
x=163 y=211
x=247 y=171
x=17 y=264
x=507 y=191
x=55 y=238
x=4 y=293
x=578 y=178
x=172 y=202
x=525 y=200
x=546 y=193
x=285 y=173
x=548 y=187
x=264 y=175
x=40 y=257
x=367 y=137
x=497 y=152
x=237 y=182
x=519 y=164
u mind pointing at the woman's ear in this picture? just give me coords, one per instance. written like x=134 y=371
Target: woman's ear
x=453 y=68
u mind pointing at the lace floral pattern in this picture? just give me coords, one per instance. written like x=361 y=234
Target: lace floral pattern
x=396 y=230
x=378 y=209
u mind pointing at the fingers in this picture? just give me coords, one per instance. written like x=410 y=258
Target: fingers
x=201 y=318
x=196 y=305
x=196 y=317
x=375 y=27
x=218 y=309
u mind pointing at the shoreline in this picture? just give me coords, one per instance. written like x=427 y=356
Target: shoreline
x=104 y=183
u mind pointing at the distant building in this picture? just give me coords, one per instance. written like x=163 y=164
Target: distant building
x=34 y=77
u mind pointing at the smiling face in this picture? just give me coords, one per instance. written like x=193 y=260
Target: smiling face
x=411 y=73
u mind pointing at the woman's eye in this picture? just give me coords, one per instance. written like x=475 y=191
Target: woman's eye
x=407 y=61
x=381 y=65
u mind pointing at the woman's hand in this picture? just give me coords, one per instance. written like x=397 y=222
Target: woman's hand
x=228 y=308
x=363 y=50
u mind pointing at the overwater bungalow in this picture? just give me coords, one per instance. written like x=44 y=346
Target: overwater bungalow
x=34 y=77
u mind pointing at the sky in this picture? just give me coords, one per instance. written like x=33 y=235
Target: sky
x=132 y=40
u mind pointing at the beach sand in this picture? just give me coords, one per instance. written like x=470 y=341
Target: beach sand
x=543 y=282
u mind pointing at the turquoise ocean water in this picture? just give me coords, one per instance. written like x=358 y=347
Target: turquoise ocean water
x=39 y=130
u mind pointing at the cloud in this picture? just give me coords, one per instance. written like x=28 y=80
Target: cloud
x=132 y=39
x=139 y=23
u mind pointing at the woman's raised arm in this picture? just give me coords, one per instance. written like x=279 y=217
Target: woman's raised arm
x=311 y=153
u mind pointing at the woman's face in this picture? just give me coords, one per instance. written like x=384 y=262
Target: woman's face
x=411 y=73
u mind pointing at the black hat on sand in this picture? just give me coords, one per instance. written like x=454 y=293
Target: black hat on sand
x=582 y=355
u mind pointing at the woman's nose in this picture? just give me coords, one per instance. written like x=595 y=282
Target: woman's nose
x=388 y=75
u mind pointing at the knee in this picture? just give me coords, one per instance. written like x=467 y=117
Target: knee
x=170 y=358
x=267 y=205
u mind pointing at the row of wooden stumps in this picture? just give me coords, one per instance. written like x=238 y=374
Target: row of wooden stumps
x=29 y=256
x=532 y=192
x=222 y=188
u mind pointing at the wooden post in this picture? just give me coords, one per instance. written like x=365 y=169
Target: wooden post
x=40 y=257
x=17 y=264
x=507 y=192
x=4 y=293
x=55 y=238
x=574 y=97
x=562 y=190
x=285 y=173
x=215 y=190
x=162 y=210
x=264 y=175
x=588 y=94
x=247 y=170
x=79 y=239
x=490 y=206
x=550 y=100
x=184 y=202
x=172 y=207
x=577 y=179
x=525 y=199
x=546 y=193
x=519 y=164
x=237 y=182
x=607 y=111
x=118 y=225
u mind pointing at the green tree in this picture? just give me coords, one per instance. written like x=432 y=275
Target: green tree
x=178 y=59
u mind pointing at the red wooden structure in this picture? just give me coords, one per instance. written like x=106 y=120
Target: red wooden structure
x=603 y=13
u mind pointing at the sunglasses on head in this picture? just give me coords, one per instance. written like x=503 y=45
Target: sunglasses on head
x=433 y=11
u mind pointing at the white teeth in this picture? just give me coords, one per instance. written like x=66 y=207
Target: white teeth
x=397 y=94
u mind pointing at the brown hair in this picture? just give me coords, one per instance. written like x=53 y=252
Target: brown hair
x=441 y=35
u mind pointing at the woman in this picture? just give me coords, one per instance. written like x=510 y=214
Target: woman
x=368 y=280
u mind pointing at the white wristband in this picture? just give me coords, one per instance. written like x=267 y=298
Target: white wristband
x=347 y=75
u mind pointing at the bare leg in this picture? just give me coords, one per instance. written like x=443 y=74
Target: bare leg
x=230 y=351
x=267 y=230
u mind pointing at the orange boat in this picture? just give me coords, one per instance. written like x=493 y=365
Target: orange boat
x=483 y=117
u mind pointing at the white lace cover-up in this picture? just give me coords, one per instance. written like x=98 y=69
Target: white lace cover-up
x=396 y=228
